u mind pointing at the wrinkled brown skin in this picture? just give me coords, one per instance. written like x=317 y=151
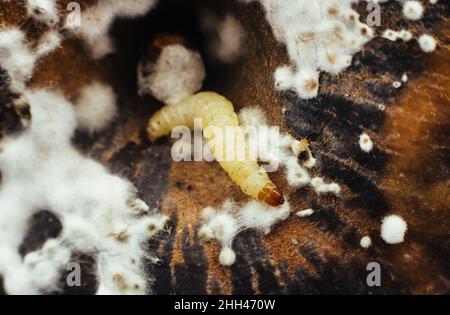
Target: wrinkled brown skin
x=407 y=173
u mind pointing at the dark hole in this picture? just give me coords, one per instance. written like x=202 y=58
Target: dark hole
x=303 y=156
x=88 y=278
x=43 y=225
x=2 y=288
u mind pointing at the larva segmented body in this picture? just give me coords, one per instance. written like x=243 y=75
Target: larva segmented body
x=215 y=110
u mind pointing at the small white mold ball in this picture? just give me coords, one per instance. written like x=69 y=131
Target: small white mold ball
x=390 y=34
x=393 y=229
x=433 y=1
x=427 y=43
x=227 y=256
x=413 y=10
x=284 y=78
x=304 y=213
x=307 y=83
x=397 y=84
x=365 y=143
x=405 y=35
x=96 y=107
x=179 y=72
x=405 y=78
x=365 y=242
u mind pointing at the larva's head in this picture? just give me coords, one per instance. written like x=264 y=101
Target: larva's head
x=271 y=195
x=154 y=129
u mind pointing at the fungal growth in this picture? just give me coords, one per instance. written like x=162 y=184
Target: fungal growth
x=98 y=18
x=225 y=223
x=393 y=229
x=43 y=10
x=323 y=36
x=365 y=143
x=100 y=213
x=290 y=154
x=96 y=107
x=225 y=36
x=170 y=71
x=217 y=116
x=319 y=36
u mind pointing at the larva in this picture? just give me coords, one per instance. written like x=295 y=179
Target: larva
x=215 y=110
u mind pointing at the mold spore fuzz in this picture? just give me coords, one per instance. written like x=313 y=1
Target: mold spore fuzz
x=413 y=10
x=96 y=107
x=366 y=242
x=278 y=149
x=178 y=72
x=99 y=211
x=225 y=36
x=427 y=43
x=365 y=143
x=319 y=36
x=225 y=223
x=98 y=19
x=43 y=10
x=393 y=229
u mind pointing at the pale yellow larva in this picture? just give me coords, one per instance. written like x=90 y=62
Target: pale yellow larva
x=215 y=110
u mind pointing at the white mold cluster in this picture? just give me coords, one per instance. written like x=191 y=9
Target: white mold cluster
x=41 y=170
x=413 y=10
x=48 y=42
x=96 y=107
x=393 y=229
x=278 y=149
x=178 y=72
x=323 y=36
x=392 y=35
x=15 y=56
x=96 y=22
x=225 y=223
x=226 y=36
x=99 y=212
x=320 y=35
x=19 y=59
x=44 y=11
